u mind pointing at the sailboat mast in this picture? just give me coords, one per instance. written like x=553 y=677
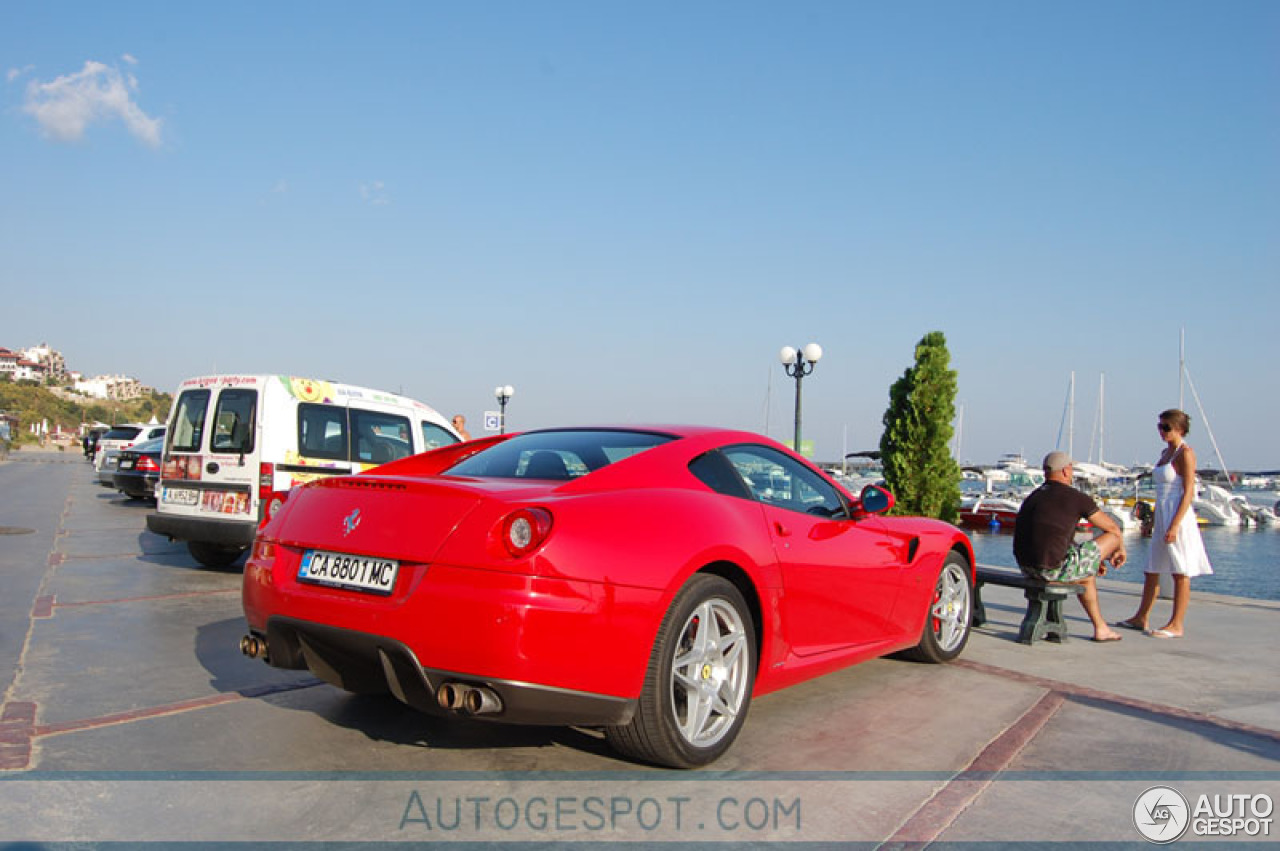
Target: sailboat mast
x=1102 y=417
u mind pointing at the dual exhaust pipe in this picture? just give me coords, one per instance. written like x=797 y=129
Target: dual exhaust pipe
x=469 y=700
x=254 y=646
x=455 y=697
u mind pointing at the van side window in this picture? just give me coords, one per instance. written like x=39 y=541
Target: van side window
x=378 y=437
x=322 y=432
x=434 y=436
x=188 y=422
x=233 y=421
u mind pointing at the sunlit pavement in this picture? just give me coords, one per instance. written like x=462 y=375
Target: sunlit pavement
x=123 y=675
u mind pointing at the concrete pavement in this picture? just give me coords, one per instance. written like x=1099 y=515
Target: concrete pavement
x=125 y=685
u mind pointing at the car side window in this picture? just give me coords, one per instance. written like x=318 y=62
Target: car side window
x=322 y=432
x=379 y=437
x=434 y=436
x=716 y=472
x=778 y=480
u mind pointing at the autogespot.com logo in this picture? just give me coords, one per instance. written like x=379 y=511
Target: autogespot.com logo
x=1161 y=814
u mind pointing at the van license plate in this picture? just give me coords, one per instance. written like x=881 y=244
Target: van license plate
x=180 y=496
x=340 y=570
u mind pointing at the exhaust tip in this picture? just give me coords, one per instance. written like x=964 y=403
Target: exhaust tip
x=253 y=647
x=482 y=701
x=451 y=696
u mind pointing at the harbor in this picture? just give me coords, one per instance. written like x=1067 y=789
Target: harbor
x=176 y=739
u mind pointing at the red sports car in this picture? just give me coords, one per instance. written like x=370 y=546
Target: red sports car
x=649 y=581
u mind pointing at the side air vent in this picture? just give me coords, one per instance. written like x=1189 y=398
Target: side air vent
x=912 y=549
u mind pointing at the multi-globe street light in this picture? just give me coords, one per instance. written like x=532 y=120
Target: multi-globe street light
x=798 y=363
x=503 y=394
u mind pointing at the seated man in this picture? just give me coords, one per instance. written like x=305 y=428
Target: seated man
x=1043 y=539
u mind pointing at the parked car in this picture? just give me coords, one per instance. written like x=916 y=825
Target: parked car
x=240 y=442
x=118 y=438
x=646 y=581
x=138 y=469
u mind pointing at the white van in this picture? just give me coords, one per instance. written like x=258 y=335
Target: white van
x=235 y=440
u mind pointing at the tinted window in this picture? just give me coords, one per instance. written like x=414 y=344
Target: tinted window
x=715 y=471
x=122 y=433
x=434 y=436
x=378 y=437
x=188 y=421
x=556 y=455
x=233 y=421
x=777 y=479
x=322 y=432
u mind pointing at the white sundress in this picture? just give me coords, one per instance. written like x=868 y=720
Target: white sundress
x=1186 y=555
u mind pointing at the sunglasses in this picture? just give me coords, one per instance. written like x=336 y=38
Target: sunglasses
x=1164 y=427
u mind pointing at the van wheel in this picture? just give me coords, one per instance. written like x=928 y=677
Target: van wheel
x=212 y=555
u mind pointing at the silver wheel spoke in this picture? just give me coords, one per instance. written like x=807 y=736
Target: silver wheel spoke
x=708 y=672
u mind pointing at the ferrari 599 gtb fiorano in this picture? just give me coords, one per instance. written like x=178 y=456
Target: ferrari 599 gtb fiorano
x=647 y=581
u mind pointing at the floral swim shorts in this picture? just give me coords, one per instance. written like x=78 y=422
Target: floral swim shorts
x=1082 y=561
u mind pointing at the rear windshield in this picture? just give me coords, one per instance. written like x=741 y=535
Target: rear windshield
x=122 y=433
x=556 y=455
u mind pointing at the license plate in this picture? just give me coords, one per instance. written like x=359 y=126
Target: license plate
x=341 y=570
x=126 y=463
x=180 y=496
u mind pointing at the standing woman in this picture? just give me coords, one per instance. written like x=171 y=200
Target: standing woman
x=1176 y=545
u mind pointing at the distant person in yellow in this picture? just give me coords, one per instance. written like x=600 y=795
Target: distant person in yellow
x=1176 y=546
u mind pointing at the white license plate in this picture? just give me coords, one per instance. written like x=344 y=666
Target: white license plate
x=126 y=464
x=341 y=570
x=180 y=496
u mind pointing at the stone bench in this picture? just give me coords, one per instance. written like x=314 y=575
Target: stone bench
x=1043 y=620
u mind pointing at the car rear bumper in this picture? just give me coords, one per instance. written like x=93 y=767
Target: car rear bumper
x=552 y=636
x=136 y=485
x=227 y=533
x=363 y=663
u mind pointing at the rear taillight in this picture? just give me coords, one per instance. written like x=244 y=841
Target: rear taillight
x=525 y=530
x=147 y=464
x=266 y=480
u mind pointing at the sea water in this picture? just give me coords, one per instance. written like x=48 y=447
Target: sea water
x=1246 y=560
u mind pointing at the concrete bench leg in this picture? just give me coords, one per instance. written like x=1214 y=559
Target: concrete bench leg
x=1043 y=620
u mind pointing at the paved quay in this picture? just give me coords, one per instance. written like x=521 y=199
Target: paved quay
x=129 y=716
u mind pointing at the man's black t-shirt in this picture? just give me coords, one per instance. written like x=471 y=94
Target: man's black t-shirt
x=1046 y=524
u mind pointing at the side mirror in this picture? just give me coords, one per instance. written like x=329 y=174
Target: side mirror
x=875 y=500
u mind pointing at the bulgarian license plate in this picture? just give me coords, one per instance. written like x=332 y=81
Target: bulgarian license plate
x=341 y=570
x=180 y=496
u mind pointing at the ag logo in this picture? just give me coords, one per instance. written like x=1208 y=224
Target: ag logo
x=1161 y=814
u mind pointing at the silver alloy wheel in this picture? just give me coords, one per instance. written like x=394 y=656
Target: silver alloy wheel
x=950 y=612
x=710 y=673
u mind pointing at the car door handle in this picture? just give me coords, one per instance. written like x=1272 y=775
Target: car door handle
x=783 y=531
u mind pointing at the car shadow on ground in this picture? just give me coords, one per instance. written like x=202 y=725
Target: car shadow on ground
x=380 y=718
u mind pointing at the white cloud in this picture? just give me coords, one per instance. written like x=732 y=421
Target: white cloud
x=14 y=73
x=66 y=106
x=128 y=57
x=375 y=193
x=281 y=187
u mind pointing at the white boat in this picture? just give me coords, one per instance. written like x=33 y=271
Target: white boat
x=1216 y=506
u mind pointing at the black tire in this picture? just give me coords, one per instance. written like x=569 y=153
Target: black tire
x=950 y=616
x=710 y=632
x=214 y=556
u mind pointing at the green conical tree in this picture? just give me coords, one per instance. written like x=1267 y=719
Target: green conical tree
x=918 y=466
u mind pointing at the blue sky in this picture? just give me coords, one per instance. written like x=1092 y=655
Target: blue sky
x=625 y=209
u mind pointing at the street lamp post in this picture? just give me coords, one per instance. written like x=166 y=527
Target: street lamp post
x=503 y=395
x=798 y=363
